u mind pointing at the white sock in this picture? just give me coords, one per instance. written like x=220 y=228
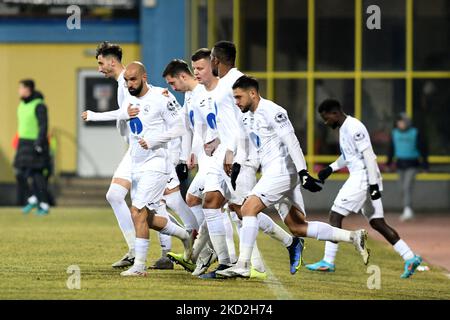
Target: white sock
x=198 y=213
x=214 y=219
x=257 y=261
x=32 y=200
x=116 y=198
x=323 y=231
x=172 y=229
x=44 y=205
x=166 y=243
x=249 y=232
x=331 y=250
x=269 y=227
x=177 y=204
x=200 y=242
x=403 y=250
x=230 y=238
x=141 y=248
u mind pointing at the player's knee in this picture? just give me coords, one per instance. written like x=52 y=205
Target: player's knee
x=211 y=201
x=378 y=224
x=336 y=219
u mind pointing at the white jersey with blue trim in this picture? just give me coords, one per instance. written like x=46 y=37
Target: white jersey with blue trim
x=202 y=121
x=228 y=116
x=353 y=140
x=158 y=111
x=265 y=127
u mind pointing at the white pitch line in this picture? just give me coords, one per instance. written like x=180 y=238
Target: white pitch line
x=275 y=285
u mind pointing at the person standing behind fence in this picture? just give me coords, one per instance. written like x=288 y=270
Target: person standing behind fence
x=33 y=156
x=410 y=152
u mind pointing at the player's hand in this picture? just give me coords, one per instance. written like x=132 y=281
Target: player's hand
x=132 y=111
x=324 y=173
x=165 y=92
x=191 y=162
x=235 y=169
x=228 y=162
x=84 y=115
x=182 y=171
x=308 y=182
x=143 y=144
x=374 y=191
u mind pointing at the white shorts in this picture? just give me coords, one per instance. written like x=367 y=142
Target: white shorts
x=354 y=196
x=217 y=180
x=197 y=186
x=173 y=180
x=281 y=189
x=148 y=188
x=123 y=171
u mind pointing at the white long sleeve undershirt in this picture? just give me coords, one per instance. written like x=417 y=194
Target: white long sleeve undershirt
x=295 y=151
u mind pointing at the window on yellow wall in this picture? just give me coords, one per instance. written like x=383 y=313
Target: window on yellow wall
x=291 y=35
x=391 y=38
x=335 y=35
x=382 y=101
x=326 y=141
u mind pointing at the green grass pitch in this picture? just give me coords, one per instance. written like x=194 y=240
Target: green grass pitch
x=37 y=251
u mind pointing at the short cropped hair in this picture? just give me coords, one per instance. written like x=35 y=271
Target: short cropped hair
x=28 y=83
x=225 y=52
x=246 y=82
x=175 y=68
x=203 y=53
x=330 y=105
x=109 y=49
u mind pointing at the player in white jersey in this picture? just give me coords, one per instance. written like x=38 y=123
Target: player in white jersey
x=109 y=58
x=178 y=75
x=218 y=186
x=361 y=191
x=283 y=169
x=150 y=162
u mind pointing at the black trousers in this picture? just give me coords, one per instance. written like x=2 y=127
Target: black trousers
x=39 y=185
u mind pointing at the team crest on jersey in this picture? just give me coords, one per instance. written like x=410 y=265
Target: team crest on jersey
x=146 y=108
x=280 y=117
x=358 y=136
x=171 y=106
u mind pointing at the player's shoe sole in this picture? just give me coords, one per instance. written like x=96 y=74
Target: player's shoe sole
x=235 y=272
x=360 y=243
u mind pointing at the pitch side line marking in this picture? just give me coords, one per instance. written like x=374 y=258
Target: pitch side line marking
x=275 y=285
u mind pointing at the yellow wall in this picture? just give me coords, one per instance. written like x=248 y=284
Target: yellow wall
x=54 y=68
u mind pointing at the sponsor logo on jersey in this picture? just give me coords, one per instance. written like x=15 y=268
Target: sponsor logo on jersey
x=358 y=136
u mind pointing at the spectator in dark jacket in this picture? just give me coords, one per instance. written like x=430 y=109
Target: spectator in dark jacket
x=32 y=157
x=409 y=149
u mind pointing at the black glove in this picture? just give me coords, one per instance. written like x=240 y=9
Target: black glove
x=324 y=173
x=182 y=171
x=374 y=192
x=235 y=169
x=308 y=182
